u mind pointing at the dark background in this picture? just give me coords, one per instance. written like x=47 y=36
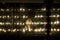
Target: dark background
x=28 y=1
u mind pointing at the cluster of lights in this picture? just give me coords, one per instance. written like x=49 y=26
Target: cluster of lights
x=19 y=23
x=56 y=22
x=16 y=16
x=10 y=30
x=39 y=16
x=27 y=29
x=43 y=9
x=55 y=30
x=55 y=16
x=24 y=16
x=22 y=9
x=5 y=16
x=56 y=9
x=40 y=30
x=35 y=30
x=2 y=30
x=2 y=9
x=6 y=23
x=36 y=23
x=23 y=30
x=5 y=9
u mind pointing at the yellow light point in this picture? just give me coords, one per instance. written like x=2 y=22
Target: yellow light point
x=58 y=9
x=36 y=16
x=7 y=23
x=37 y=23
x=9 y=30
x=54 y=16
x=35 y=30
x=50 y=16
x=23 y=30
x=4 y=30
x=2 y=9
x=54 y=9
x=54 y=29
x=1 y=23
x=7 y=9
x=4 y=17
x=41 y=16
x=24 y=16
x=30 y=29
x=45 y=22
x=14 y=23
x=39 y=30
x=14 y=30
x=8 y=16
x=29 y=9
x=42 y=29
x=41 y=22
x=17 y=29
x=0 y=29
x=57 y=22
x=15 y=16
x=43 y=9
x=17 y=23
x=21 y=9
x=20 y=23
x=23 y=23
x=52 y=23
x=32 y=23
x=58 y=30
x=58 y=15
